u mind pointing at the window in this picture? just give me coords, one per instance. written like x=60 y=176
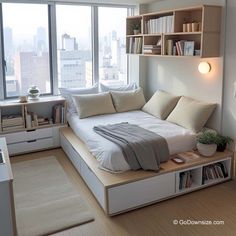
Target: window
x=71 y=45
x=26 y=48
x=112 y=49
x=74 y=44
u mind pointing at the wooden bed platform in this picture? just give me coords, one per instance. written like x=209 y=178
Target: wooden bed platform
x=117 y=193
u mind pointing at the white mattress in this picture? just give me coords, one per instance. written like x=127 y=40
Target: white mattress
x=109 y=154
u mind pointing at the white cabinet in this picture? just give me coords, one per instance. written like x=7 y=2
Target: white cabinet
x=28 y=141
x=7 y=209
x=40 y=131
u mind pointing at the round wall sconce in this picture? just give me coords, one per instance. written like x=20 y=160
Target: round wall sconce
x=204 y=67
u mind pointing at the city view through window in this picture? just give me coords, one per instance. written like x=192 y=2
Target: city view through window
x=26 y=46
x=25 y=31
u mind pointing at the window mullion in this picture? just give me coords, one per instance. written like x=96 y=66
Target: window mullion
x=53 y=48
x=2 y=67
x=95 y=44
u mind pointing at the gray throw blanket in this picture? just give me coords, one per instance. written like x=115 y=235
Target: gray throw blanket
x=140 y=147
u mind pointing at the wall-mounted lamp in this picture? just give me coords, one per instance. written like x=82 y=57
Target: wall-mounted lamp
x=204 y=67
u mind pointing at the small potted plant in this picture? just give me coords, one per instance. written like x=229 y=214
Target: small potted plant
x=136 y=28
x=33 y=92
x=222 y=141
x=206 y=143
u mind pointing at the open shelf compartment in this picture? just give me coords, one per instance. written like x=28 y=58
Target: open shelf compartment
x=216 y=172
x=188 y=179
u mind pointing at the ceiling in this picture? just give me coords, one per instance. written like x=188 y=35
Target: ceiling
x=129 y=2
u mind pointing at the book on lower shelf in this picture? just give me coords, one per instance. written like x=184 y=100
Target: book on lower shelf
x=12 y=122
x=185 y=180
x=214 y=172
x=58 y=114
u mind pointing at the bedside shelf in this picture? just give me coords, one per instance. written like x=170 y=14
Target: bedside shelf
x=197 y=174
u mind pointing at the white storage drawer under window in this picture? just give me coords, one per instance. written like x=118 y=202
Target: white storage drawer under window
x=32 y=145
x=28 y=135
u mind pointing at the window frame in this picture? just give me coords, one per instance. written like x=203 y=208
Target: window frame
x=52 y=40
x=2 y=55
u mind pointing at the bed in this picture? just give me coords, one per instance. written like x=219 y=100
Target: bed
x=101 y=163
x=108 y=154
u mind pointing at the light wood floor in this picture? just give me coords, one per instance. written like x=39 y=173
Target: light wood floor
x=214 y=203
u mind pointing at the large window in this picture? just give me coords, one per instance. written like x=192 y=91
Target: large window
x=26 y=48
x=112 y=49
x=74 y=44
x=60 y=45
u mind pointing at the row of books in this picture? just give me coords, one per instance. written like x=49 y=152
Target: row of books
x=185 y=180
x=180 y=48
x=58 y=113
x=12 y=122
x=213 y=172
x=31 y=119
x=160 y=25
x=135 y=45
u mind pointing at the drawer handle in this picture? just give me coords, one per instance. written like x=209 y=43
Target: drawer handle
x=31 y=130
x=31 y=141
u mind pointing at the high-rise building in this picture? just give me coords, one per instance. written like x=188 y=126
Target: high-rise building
x=8 y=42
x=32 y=69
x=72 y=68
x=69 y=43
x=72 y=64
x=40 y=40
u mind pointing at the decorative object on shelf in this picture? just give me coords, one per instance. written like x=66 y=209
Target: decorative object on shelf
x=195 y=27
x=136 y=28
x=197 y=52
x=206 y=143
x=33 y=92
x=23 y=98
x=204 y=67
x=189 y=27
x=222 y=141
x=192 y=27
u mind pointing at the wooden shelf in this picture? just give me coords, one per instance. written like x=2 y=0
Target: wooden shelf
x=134 y=35
x=206 y=40
x=184 y=33
x=42 y=107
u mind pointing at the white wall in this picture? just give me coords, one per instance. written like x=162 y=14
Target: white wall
x=229 y=104
x=180 y=75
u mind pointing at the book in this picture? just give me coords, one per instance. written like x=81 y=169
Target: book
x=11 y=128
x=28 y=121
x=188 y=156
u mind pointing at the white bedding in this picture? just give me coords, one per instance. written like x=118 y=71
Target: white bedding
x=109 y=154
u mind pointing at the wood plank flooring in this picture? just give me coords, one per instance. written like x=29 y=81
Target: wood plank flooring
x=217 y=203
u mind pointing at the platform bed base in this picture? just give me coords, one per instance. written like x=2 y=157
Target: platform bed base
x=118 y=193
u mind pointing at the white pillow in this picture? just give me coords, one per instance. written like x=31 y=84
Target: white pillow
x=68 y=92
x=191 y=114
x=128 y=100
x=161 y=104
x=93 y=104
x=128 y=87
